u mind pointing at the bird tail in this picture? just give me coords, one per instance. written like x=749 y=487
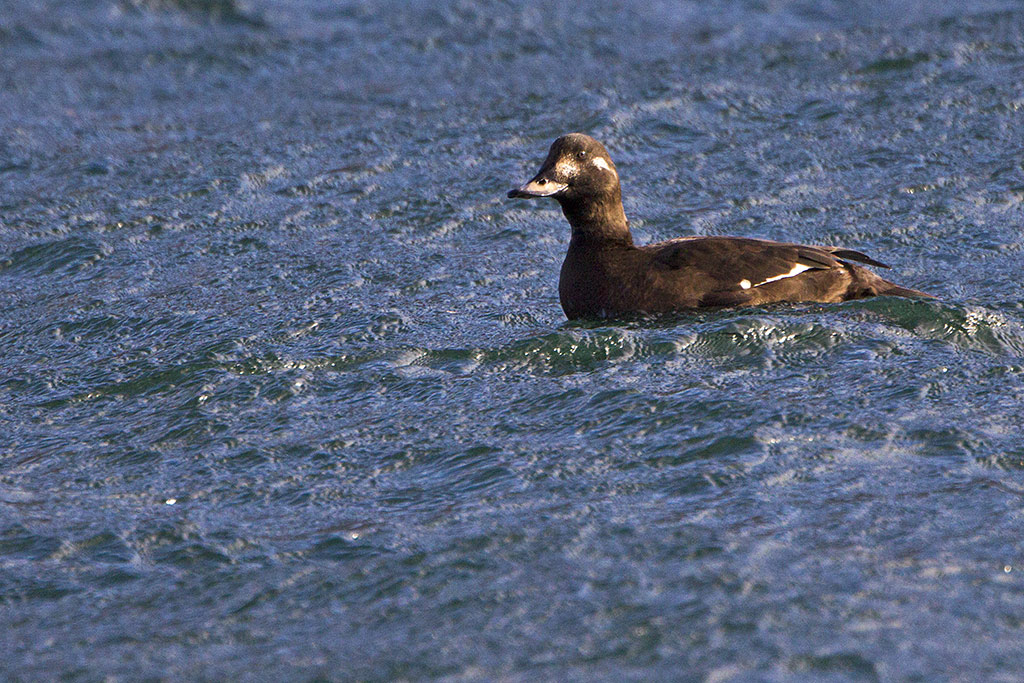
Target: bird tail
x=895 y=290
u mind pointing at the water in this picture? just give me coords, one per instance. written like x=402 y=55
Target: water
x=286 y=392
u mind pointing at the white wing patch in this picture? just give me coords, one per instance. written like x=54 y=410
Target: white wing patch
x=744 y=284
x=797 y=269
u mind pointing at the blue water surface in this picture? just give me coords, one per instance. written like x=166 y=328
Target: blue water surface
x=286 y=392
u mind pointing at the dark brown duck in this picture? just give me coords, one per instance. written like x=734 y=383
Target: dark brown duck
x=605 y=274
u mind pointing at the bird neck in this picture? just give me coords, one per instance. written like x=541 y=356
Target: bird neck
x=600 y=219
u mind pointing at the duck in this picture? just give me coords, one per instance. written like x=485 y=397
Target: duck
x=606 y=275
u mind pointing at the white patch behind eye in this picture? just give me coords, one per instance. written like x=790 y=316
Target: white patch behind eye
x=797 y=269
x=601 y=163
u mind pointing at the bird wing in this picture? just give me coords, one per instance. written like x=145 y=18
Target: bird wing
x=735 y=265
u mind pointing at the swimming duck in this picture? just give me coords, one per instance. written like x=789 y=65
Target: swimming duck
x=604 y=274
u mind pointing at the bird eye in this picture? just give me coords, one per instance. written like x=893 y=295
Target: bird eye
x=582 y=154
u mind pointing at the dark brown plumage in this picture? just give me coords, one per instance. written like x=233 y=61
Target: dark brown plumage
x=605 y=274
